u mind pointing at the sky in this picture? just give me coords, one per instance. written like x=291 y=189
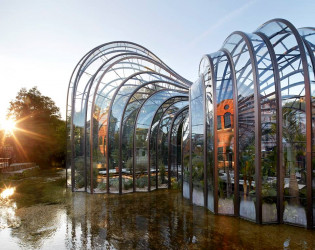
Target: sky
x=42 y=41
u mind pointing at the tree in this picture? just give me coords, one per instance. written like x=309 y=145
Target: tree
x=294 y=136
x=41 y=134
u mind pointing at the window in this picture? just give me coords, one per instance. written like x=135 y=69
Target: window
x=220 y=154
x=219 y=122
x=227 y=120
x=100 y=140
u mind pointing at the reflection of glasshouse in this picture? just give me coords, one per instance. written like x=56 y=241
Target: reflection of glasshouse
x=238 y=140
x=225 y=132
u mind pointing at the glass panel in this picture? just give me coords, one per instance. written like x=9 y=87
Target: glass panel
x=176 y=154
x=225 y=142
x=68 y=131
x=162 y=141
x=294 y=120
x=82 y=79
x=197 y=106
x=186 y=158
x=144 y=121
x=128 y=123
x=268 y=106
x=309 y=35
x=123 y=96
x=246 y=124
x=108 y=84
x=155 y=160
x=207 y=74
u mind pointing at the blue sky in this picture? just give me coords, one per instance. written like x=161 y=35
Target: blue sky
x=41 y=41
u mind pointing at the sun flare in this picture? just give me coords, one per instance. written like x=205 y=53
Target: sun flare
x=7 y=192
x=8 y=126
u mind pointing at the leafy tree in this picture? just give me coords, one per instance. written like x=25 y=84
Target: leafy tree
x=294 y=145
x=41 y=134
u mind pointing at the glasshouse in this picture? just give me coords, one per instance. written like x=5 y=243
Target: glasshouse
x=239 y=140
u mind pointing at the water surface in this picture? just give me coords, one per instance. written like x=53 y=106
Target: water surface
x=42 y=214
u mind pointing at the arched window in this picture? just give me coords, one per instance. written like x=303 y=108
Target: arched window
x=219 y=122
x=227 y=120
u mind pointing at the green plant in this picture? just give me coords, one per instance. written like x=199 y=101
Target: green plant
x=114 y=183
x=162 y=171
x=198 y=171
x=101 y=185
x=142 y=182
x=174 y=183
x=141 y=167
x=129 y=165
x=153 y=179
x=79 y=182
x=127 y=183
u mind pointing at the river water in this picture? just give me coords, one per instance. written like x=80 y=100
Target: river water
x=38 y=212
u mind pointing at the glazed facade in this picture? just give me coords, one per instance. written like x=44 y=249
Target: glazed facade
x=240 y=140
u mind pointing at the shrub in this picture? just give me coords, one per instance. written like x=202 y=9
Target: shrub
x=102 y=185
x=114 y=183
x=127 y=183
x=141 y=182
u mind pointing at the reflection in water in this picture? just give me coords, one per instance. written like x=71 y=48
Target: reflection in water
x=8 y=217
x=152 y=220
x=7 y=192
x=7 y=209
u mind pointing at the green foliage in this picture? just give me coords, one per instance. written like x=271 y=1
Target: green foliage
x=269 y=193
x=162 y=171
x=102 y=185
x=114 y=183
x=141 y=167
x=247 y=165
x=129 y=164
x=142 y=182
x=127 y=183
x=197 y=171
x=174 y=183
x=25 y=174
x=41 y=133
x=79 y=182
x=153 y=180
x=80 y=177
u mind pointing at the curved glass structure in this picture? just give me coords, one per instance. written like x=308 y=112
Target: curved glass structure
x=239 y=140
